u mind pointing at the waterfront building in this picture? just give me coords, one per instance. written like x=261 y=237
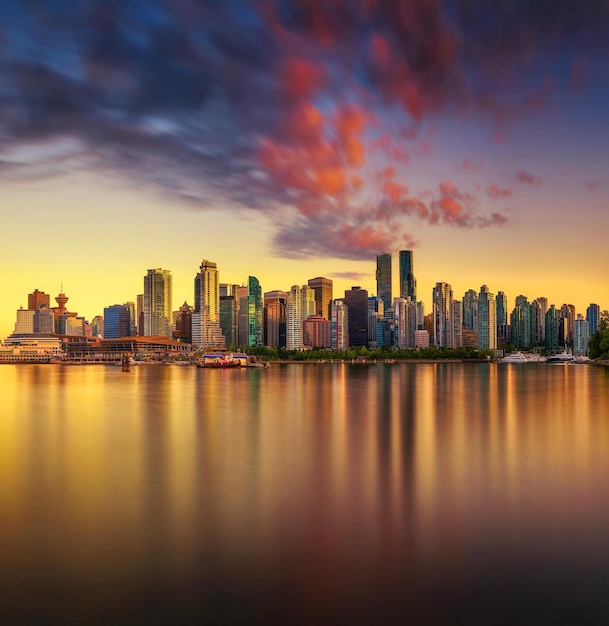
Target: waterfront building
x=323 y=290
x=43 y=320
x=376 y=309
x=384 y=279
x=97 y=326
x=356 y=300
x=275 y=319
x=487 y=320
x=469 y=338
x=132 y=318
x=553 y=323
x=543 y=309
x=294 y=308
x=469 y=305
x=340 y=325
x=255 y=312
x=405 y=319
x=420 y=315
x=593 y=317
x=157 y=303
x=580 y=336
x=421 y=339
x=457 y=321
x=183 y=323
x=25 y=321
x=442 y=316
x=538 y=322
x=316 y=332
x=139 y=313
x=229 y=319
x=502 y=309
x=242 y=298
x=520 y=321
x=309 y=305
x=206 y=330
x=36 y=298
x=568 y=313
x=408 y=283
x=117 y=322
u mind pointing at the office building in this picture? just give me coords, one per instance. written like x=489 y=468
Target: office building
x=384 y=279
x=593 y=317
x=520 y=321
x=442 y=316
x=580 y=336
x=405 y=322
x=206 y=331
x=316 y=332
x=340 y=325
x=275 y=319
x=356 y=300
x=117 y=321
x=294 y=310
x=487 y=320
x=408 y=283
x=323 y=290
x=157 y=303
x=36 y=298
x=255 y=312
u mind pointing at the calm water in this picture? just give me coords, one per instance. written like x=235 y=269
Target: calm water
x=305 y=494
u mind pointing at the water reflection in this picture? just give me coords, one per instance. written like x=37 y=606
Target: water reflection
x=443 y=493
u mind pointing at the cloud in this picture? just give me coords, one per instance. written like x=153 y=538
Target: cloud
x=350 y=275
x=283 y=106
x=494 y=191
x=527 y=178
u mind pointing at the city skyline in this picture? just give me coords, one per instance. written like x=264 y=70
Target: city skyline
x=303 y=141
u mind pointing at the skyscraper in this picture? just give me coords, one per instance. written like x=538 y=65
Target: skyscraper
x=294 y=319
x=383 y=279
x=487 y=319
x=36 y=298
x=340 y=325
x=593 y=317
x=206 y=331
x=323 y=295
x=254 y=312
x=470 y=310
x=442 y=315
x=157 y=303
x=520 y=320
x=580 y=336
x=408 y=283
x=405 y=318
x=356 y=300
x=274 y=318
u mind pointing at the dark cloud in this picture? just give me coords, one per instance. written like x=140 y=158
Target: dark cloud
x=271 y=105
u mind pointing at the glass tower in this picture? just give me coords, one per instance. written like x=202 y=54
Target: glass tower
x=408 y=283
x=383 y=279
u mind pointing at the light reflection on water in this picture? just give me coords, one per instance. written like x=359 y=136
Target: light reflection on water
x=439 y=493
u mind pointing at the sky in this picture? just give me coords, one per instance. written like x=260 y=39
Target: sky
x=288 y=139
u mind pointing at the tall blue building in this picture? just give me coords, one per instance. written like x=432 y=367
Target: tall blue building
x=255 y=312
x=117 y=321
x=593 y=317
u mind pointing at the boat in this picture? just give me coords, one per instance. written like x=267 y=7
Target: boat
x=520 y=357
x=564 y=358
x=220 y=361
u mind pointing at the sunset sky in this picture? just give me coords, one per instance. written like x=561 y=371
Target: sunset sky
x=289 y=139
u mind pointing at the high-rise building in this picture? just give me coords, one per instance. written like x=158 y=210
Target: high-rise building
x=309 y=305
x=568 y=313
x=157 y=303
x=502 y=308
x=229 y=320
x=139 y=314
x=580 y=336
x=255 y=312
x=543 y=309
x=117 y=321
x=384 y=279
x=408 y=283
x=376 y=308
x=323 y=290
x=487 y=319
x=97 y=326
x=340 y=325
x=356 y=300
x=275 y=319
x=442 y=316
x=206 y=331
x=553 y=323
x=470 y=310
x=316 y=332
x=43 y=320
x=241 y=292
x=457 y=324
x=520 y=321
x=294 y=319
x=36 y=298
x=183 y=323
x=593 y=317
x=405 y=318
x=25 y=322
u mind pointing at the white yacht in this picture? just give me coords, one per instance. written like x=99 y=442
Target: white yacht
x=520 y=357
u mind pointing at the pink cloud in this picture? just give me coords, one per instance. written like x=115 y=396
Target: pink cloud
x=528 y=178
x=494 y=191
